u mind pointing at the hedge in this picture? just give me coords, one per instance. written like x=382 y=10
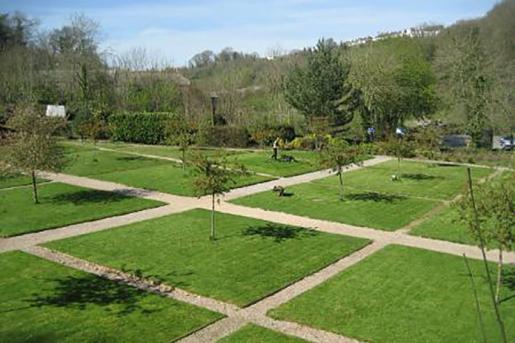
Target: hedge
x=146 y=128
x=226 y=136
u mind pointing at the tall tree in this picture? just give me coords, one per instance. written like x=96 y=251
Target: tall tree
x=32 y=145
x=391 y=81
x=316 y=89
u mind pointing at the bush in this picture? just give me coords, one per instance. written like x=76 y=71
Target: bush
x=146 y=128
x=226 y=136
x=268 y=134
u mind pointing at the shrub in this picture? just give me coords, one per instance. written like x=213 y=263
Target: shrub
x=268 y=134
x=226 y=136
x=147 y=128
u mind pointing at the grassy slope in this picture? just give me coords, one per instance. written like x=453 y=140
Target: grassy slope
x=256 y=334
x=403 y=294
x=248 y=261
x=371 y=198
x=60 y=205
x=41 y=301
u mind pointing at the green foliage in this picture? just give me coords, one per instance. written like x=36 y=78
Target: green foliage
x=147 y=128
x=391 y=81
x=225 y=136
x=317 y=88
x=214 y=176
x=338 y=154
x=179 y=132
x=32 y=144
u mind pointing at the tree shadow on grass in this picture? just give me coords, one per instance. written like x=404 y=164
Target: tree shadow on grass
x=373 y=196
x=29 y=337
x=81 y=292
x=419 y=176
x=87 y=196
x=280 y=233
x=508 y=281
x=131 y=158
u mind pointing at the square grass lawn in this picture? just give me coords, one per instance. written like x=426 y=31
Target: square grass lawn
x=250 y=259
x=41 y=301
x=256 y=334
x=255 y=161
x=261 y=162
x=141 y=172
x=371 y=198
x=402 y=294
x=60 y=205
x=446 y=224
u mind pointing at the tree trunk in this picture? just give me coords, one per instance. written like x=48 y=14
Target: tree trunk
x=340 y=177
x=499 y=276
x=213 y=217
x=34 y=188
x=183 y=159
x=485 y=261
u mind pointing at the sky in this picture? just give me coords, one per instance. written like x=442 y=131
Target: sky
x=175 y=30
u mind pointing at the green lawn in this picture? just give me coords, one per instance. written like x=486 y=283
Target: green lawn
x=16 y=180
x=402 y=294
x=371 y=198
x=41 y=301
x=444 y=225
x=96 y=162
x=168 y=178
x=256 y=161
x=317 y=200
x=256 y=334
x=137 y=171
x=261 y=162
x=61 y=205
x=417 y=179
x=249 y=260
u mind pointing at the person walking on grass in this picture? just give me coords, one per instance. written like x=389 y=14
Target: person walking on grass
x=275 y=148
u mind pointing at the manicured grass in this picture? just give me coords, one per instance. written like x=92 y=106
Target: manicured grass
x=256 y=334
x=142 y=172
x=60 y=205
x=249 y=260
x=167 y=151
x=16 y=180
x=41 y=301
x=402 y=294
x=168 y=178
x=361 y=208
x=261 y=162
x=445 y=225
x=371 y=198
x=417 y=179
x=256 y=161
x=96 y=162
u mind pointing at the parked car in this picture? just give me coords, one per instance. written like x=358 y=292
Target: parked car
x=506 y=142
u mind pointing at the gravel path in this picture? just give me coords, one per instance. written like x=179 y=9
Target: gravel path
x=25 y=241
x=362 y=232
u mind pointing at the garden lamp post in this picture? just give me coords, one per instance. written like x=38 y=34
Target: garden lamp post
x=214 y=100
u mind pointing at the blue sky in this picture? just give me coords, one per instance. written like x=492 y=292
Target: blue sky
x=178 y=29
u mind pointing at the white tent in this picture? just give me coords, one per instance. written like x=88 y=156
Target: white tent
x=55 y=111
